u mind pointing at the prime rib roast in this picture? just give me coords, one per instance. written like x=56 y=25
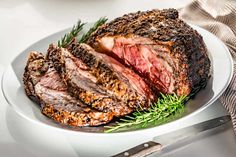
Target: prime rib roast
x=123 y=67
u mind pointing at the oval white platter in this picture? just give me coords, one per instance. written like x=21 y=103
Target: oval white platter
x=12 y=85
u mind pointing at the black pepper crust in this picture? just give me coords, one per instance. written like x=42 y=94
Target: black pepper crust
x=163 y=26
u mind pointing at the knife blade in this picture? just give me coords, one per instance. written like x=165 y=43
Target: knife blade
x=174 y=137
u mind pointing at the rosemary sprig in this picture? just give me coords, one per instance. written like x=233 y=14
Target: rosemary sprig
x=166 y=107
x=67 y=38
x=100 y=22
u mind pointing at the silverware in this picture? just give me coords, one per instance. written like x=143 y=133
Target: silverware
x=175 y=137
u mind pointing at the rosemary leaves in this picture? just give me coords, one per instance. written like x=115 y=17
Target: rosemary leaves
x=165 y=107
x=85 y=36
x=67 y=38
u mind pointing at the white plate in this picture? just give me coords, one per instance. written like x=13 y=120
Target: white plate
x=222 y=70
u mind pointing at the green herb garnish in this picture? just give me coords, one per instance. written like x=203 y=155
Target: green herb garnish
x=160 y=112
x=67 y=38
x=100 y=22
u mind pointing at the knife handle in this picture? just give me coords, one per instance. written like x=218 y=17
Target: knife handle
x=141 y=150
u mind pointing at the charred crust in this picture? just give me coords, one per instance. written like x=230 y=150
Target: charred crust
x=94 y=118
x=35 y=68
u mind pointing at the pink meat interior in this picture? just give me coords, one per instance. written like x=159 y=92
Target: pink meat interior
x=143 y=56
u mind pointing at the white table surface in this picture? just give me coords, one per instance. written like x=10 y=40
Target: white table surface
x=23 y=22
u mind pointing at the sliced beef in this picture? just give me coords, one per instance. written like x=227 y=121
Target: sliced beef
x=161 y=48
x=42 y=83
x=82 y=85
x=35 y=68
x=140 y=54
x=97 y=80
x=112 y=76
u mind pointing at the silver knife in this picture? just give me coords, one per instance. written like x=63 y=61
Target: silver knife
x=168 y=139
